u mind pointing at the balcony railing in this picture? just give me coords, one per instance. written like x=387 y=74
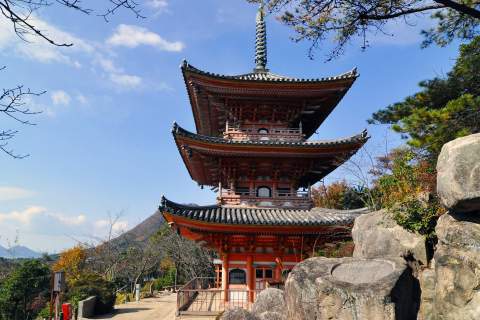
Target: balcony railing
x=199 y=297
x=282 y=134
x=298 y=200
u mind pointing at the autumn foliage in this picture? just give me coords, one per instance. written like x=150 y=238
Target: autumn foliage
x=72 y=262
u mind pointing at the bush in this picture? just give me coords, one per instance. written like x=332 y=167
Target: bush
x=123 y=297
x=45 y=313
x=167 y=280
x=408 y=191
x=340 y=195
x=93 y=285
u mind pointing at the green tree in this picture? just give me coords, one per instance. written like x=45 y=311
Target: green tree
x=344 y=20
x=29 y=280
x=445 y=108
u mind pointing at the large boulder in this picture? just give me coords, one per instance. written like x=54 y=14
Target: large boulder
x=458 y=174
x=270 y=304
x=457 y=267
x=352 y=289
x=377 y=235
x=237 y=313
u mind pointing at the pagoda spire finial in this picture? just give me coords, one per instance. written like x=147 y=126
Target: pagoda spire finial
x=261 y=42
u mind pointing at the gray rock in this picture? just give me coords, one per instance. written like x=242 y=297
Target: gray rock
x=351 y=289
x=237 y=313
x=457 y=267
x=269 y=300
x=427 y=284
x=271 y=316
x=377 y=235
x=458 y=174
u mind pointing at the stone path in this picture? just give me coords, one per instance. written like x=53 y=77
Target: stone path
x=162 y=307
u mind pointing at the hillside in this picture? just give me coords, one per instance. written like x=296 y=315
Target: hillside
x=143 y=231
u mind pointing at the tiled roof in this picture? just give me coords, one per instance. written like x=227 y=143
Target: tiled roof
x=261 y=216
x=266 y=76
x=359 y=138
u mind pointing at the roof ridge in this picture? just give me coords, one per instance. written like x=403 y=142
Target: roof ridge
x=268 y=76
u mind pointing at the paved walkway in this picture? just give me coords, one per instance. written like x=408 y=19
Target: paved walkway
x=162 y=307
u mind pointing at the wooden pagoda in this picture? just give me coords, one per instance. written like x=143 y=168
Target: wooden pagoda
x=252 y=147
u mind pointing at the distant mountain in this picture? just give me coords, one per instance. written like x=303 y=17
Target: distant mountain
x=18 y=252
x=142 y=231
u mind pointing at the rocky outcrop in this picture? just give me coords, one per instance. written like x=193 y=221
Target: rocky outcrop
x=237 y=313
x=376 y=235
x=457 y=267
x=457 y=256
x=270 y=305
x=458 y=174
x=351 y=288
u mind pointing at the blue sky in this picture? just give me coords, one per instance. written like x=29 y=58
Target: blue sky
x=103 y=145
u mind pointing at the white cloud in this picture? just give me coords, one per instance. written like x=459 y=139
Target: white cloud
x=126 y=80
x=118 y=226
x=14 y=193
x=70 y=220
x=107 y=64
x=60 y=97
x=27 y=215
x=157 y=4
x=39 y=50
x=133 y=36
x=24 y=216
x=82 y=99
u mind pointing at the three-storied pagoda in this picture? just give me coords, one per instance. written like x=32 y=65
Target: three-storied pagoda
x=251 y=147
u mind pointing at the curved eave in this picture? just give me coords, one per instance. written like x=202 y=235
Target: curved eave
x=266 y=77
x=257 y=220
x=351 y=143
x=330 y=153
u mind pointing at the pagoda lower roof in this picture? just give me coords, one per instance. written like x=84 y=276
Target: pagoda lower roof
x=245 y=216
x=359 y=139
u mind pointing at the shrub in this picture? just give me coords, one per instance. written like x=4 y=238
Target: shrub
x=123 y=297
x=93 y=285
x=167 y=280
x=407 y=190
x=339 y=195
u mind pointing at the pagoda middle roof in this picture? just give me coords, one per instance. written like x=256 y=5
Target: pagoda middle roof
x=225 y=215
x=359 y=139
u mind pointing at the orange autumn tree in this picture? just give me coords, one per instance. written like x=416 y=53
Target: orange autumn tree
x=72 y=262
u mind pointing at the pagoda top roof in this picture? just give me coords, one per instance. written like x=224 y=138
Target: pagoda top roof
x=225 y=215
x=267 y=76
x=354 y=139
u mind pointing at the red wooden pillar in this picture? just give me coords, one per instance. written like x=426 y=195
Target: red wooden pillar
x=250 y=279
x=225 y=277
x=278 y=270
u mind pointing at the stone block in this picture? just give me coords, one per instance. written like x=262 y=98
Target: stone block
x=458 y=174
